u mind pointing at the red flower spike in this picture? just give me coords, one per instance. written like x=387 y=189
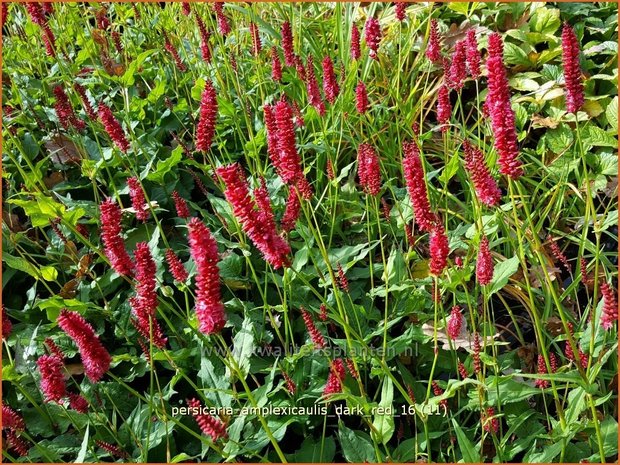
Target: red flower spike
x=323 y=312
x=222 y=21
x=400 y=11
x=289 y=165
x=290 y=384
x=458 y=67
x=500 y=111
x=335 y=379
x=343 y=282
x=6 y=324
x=472 y=54
x=455 y=323
x=64 y=110
x=53 y=348
x=361 y=98
x=95 y=357
x=36 y=13
x=553 y=361
x=111 y=449
x=368 y=169
x=138 y=201
x=52 y=379
x=484 y=263
x=118 y=44
x=385 y=208
x=177 y=270
x=416 y=186
x=145 y=302
x=276 y=65
x=444 y=107
x=256 y=42
x=433 y=50
x=583 y=268
x=372 y=34
x=330 y=171
x=78 y=403
x=542 y=370
x=186 y=8
x=411 y=394
x=409 y=235
x=356 y=50
x=171 y=49
x=438 y=244
x=113 y=128
x=291 y=214
x=11 y=420
x=262 y=233
x=330 y=83
x=351 y=368
x=572 y=70
x=315 y=335
x=559 y=255
x=610 y=306
x=18 y=444
x=208 y=117
x=314 y=93
x=489 y=423
x=205 y=35
x=287 y=44
x=209 y=425
x=114 y=247
x=485 y=186
x=203 y=249
x=88 y=108
x=462 y=370
x=180 y=205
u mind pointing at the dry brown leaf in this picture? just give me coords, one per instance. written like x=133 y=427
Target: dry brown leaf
x=546 y=122
x=63 y=151
x=537 y=277
x=84 y=265
x=55 y=178
x=69 y=290
x=12 y=221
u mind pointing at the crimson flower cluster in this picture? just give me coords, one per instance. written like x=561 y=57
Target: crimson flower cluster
x=209 y=306
x=53 y=386
x=416 y=186
x=484 y=263
x=287 y=44
x=256 y=42
x=368 y=169
x=439 y=248
x=455 y=322
x=433 y=49
x=314 y=93
x=258 y=224
x=315 y=335
x=144 y=303
x=335 y=379
x=485 y=186
x=113 y=128
x=180 y=205
x=610 y=306
x=138 y=201
x=572 y=70
x=356 y=50
x=209 y=425
x=330 y=83
x=208 y=117
x=64 y=110
x=501 y=113
x=361 y=98
x=372 y=34
x=95 y=357
x=112 y=240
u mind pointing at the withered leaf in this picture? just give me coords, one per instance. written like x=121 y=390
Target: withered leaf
x=69 y=290
x=63 y=151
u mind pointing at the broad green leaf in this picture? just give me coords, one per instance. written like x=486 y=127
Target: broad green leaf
x=545 y=20
x=470 y=455
x=165 y=166
x=384 y=423
x=42 y=210
x=612 y=115
x=356 y=446
x=502 y=272
x=82 y=453
x=243 y=346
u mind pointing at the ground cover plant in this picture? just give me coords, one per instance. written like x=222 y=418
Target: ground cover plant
x=294 y=232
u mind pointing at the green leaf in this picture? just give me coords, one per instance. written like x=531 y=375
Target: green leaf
x=450 y=169
x=48 y=273
x=545 y=20
x=41 y=210
x=315 y=451
x=243 y=346
x=165 y=166
x=595 y=136
x=559 y=139
x=612 y=114
x=470 y=455
x=82 y=453
x=384 y=423
x=514 y=55
x=356 y=446
x=503 y=271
